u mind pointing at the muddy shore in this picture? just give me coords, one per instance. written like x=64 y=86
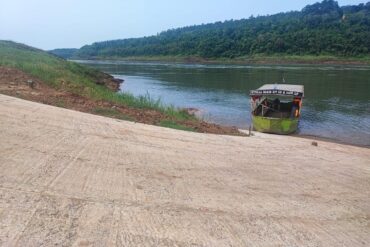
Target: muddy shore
x=13 y=82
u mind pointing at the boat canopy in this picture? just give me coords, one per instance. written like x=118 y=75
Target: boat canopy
x=279 y=89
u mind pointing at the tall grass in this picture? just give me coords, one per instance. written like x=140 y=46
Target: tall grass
x=75 y=78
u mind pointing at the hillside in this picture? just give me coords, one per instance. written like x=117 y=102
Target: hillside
x=53 y=70
x=36 y=75
x=321 y=29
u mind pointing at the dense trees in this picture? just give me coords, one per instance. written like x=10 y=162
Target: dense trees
x=320 y=29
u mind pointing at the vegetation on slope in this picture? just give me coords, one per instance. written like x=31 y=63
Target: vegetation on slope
x=323 y=29
x=70 y=76
x=74 y=83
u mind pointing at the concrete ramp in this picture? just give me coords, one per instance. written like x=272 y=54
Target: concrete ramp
x=74 y=179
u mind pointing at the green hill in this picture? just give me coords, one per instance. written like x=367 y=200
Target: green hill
x=54 y=70
x=321 y=29
x=69 y=76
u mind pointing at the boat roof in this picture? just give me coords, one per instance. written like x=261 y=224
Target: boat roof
x=279 y=89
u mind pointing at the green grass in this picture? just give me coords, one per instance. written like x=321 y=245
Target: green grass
x=75 y=78
x=112 y=113
x=174 y=125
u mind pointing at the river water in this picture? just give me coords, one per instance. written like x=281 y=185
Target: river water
x=336 y=103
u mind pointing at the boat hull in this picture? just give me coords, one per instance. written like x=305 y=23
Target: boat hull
x=282 y=126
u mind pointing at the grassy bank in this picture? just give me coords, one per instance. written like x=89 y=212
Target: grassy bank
x=71 y=85
x=78 y=79
x=278 y=59
x=70 y=82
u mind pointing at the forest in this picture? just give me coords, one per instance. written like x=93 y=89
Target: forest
x=323 y=28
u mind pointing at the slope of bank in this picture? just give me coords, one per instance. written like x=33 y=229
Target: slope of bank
x=70 y=178
x=36 y=75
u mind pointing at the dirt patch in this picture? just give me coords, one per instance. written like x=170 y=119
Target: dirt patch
x=109 y=81
x=16 y=83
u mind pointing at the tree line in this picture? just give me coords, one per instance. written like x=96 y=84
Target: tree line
x=322 y=28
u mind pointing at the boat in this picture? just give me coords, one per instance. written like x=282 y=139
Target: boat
x=276 y=108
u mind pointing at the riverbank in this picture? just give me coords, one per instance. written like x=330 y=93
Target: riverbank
x=248 y=60
x=73 y=178
x=36 y=75
x=14 y=82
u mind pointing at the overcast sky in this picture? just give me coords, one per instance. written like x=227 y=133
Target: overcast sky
x=49 y=24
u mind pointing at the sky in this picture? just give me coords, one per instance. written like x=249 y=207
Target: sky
x=49 y=24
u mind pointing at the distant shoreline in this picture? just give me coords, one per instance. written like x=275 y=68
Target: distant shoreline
x=258 y=60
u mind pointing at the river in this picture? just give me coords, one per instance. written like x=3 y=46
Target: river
x=336 y=103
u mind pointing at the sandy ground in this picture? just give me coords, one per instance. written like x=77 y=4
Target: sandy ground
x=74 y=179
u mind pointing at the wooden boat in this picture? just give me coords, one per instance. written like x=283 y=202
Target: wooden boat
x=276 y=108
